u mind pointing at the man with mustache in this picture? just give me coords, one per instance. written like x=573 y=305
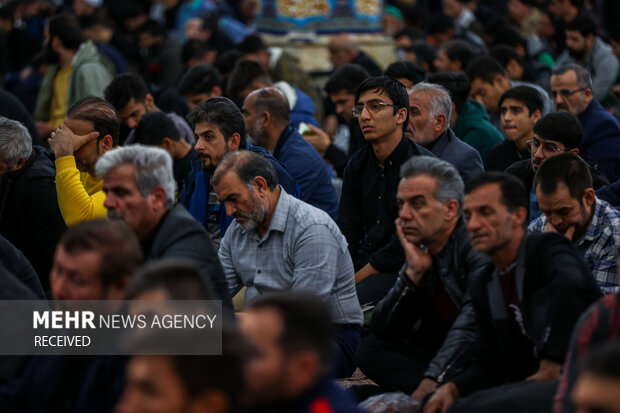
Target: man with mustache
x=219 y=129
x=140 y=186
x=571 y=89
x=278 y=243
x=554 y=134
x=526 y=306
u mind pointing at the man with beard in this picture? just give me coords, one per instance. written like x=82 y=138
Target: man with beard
x=219 y=129
x=571 y=88
x=565 y=195
x=585 y=48
x=75 y=71
x=267 y=116
x=280 y=243
x=90 y=129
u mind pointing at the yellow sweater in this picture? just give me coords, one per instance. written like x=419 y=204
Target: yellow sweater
x=79 y=194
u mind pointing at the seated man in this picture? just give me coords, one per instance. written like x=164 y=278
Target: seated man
x=526 y=307
x=94 y=260
x=269 y=124
x=280 y=243
x=157 y=129
x=519 y=108
x=368 y=203
x=90 y=130
x=220 y=129
x=344 y=50
x=29 y=215
x=585 y=48
x=453 y=56
x=140 y=187
x=248 y=76
x=340 y=88
x=571 y=88
x=199 y=84
x=469 y=120
x=554 y=134
x=566 y=198
x=489 y=82
x=430 y=109
x=295 y=344
x=130 y=97
x=429 y=297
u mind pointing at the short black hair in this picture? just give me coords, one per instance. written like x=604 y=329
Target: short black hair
x=118 y=245
x=154 y=127
x=227 y=60
x=407 y=70
x=391 y=87
x=347 y=77
x=194 y=49
x=247 y=165
x=484 y=68
x=101 y=113
x=153 y=27
x=413 y=33
x=123 y=88
x=458 y=50
x=222 y=112
x=566 y=168
x=243 y=75
x=561 y=127
x=614 y=34
x=425 y=53
x=180 y=279
x=456 y=83
x=508 y=37
x=504 y=54
x=251 y=44
x=67 y=28
x=201 y=78
x=514 y=194
x=440 y=23
x=582 y=24
x=307 y=323
x=604 y=361
x=529 y=96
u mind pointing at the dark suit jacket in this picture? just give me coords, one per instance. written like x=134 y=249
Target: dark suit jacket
x=466 y=159
x=554 y=286
x=179 y=235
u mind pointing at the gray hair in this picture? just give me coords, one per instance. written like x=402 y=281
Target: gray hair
x=440 y=102
x=449 y=184
x=583 y=76
x=153 y=168
x=15 y=141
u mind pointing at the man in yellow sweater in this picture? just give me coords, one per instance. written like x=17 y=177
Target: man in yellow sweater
x=89 y=130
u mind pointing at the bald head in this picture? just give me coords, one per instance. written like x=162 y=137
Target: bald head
x=342 y=50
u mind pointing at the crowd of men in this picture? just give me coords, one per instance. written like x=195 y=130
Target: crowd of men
x=446 y=225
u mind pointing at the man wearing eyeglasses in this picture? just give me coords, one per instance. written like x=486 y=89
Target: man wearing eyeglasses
x=571 y=89
x=554 y=134
x=368 y=202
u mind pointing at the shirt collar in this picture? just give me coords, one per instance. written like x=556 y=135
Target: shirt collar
x=593 y=229
x=279 y=217
x=392 y=159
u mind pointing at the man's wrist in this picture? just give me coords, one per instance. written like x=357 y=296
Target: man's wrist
x=452 y=388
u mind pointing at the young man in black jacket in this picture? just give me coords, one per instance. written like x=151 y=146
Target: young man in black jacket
x=367 y=205
x=526 y=307
x=429 y=299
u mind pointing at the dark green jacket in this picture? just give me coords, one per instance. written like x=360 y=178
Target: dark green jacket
x=474 y=128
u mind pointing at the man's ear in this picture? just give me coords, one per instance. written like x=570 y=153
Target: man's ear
x=19 y=164
x=588 y=197
x=536 y=115
x=574 y=150
x=260 y=184
x=501 y=81
x=439 y=123
x=520 y=215
x=216 y=92
x=233 y=142
x=105 y=144
x=167 y=144
x=453 y=208
x=159 y=198
x=402 y=116
x=116 y=291
x=149 y=101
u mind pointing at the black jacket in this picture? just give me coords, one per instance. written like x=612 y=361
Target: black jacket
x=29 y=214
x=368 y=206
x=554 y=287
x=398 y=315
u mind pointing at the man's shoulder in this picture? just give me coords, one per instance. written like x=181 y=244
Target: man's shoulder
x=610 y=217
x=181 y=223
x=520 y=169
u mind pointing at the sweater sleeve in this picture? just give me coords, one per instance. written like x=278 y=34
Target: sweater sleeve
x=79 y=195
